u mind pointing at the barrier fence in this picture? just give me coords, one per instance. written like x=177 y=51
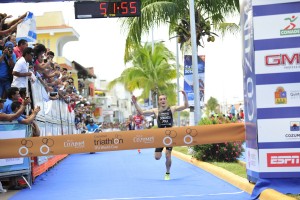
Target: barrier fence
x=54 y=119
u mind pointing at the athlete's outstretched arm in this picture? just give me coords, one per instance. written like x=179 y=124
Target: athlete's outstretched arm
x=137 y=107
x=186 y=103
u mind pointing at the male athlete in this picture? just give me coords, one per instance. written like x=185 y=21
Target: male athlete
x=164 y=116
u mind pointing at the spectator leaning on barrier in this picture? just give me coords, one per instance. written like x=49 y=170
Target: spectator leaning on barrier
x=18 y=50
x=13 y=94
x=21 y=69
x=28 y=120
x=92 y=126
x=7 y=62
x=18 y=113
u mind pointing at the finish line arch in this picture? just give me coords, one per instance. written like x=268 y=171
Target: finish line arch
x=121 y=140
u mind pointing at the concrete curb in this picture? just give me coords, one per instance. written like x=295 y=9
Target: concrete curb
x=237 y=181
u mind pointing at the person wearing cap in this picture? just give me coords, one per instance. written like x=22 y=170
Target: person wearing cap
x=18 y=113
x=7 y=62
x=92 y=126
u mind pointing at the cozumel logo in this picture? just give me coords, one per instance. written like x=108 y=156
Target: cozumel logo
x=291 y=28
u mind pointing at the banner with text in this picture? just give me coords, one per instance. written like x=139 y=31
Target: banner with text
x=113 y=141
x=188 y=78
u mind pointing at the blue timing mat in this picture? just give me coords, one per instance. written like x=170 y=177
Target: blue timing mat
x=127 y=175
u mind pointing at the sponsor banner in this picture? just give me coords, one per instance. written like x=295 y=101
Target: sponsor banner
x=279 y=175
x=280 y=160
x=278 y=145
x=121 y=140
x=279 y=130
x=249 y=74
x=278 y=96
x=279 y=43
x=188 y=78
x=252 y=159
x=278 y=26
x=277 y=61
x=9 y=134
x=264 y=79
x=278 y=113
x=267 y=2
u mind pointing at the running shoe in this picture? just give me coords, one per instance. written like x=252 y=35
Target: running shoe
x=3 y=190
x=167 y=177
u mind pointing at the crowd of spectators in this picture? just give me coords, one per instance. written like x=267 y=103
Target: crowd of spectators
x=21 y=64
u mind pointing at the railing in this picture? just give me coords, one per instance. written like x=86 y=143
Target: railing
x=53 y=119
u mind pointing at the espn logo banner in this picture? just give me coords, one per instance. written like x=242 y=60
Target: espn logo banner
x=291 y=159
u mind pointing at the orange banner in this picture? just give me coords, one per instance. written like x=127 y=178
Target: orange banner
x=121 y=140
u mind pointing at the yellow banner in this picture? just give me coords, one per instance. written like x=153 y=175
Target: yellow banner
x=121 y=140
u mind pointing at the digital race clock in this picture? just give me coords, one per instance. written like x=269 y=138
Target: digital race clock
x=96 y=9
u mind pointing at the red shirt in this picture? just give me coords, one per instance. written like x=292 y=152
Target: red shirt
x=138 y=120
x=18 y=52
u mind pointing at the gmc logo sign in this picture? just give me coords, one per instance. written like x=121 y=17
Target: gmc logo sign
x=282 y=59
x=283 y=159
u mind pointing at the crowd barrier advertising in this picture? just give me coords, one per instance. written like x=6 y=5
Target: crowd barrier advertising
x=9 y=164
x=271 y=39
x=188 y=78
x=121 y=140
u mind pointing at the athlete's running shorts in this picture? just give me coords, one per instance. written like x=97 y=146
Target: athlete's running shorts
x=161 y=149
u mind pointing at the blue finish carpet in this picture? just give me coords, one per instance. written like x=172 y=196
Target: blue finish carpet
x=127 y=175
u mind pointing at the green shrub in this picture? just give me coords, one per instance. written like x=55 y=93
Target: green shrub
x=221 y=152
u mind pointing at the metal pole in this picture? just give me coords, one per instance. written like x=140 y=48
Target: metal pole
x=152 y=34
x=152 y=42
x=195 y=63
x=177 y=67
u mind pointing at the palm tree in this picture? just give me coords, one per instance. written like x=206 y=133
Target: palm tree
x=157 y=12
x=150 y=71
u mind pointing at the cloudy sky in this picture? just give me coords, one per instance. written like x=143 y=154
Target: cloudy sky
x=101 y=45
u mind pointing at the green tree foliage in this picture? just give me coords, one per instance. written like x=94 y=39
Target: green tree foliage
x=175 y=13
x=211 y=105
x=222 y=152
x=150 y=71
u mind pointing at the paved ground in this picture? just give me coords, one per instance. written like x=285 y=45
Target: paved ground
x=127 y=175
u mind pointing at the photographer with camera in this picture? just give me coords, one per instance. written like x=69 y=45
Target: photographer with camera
x=7 y=63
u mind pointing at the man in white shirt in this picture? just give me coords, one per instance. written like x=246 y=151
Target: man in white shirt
x=21 y=69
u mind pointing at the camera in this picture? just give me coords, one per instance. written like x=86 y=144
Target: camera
x=53 y=94
x=10 y=50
